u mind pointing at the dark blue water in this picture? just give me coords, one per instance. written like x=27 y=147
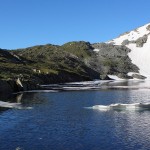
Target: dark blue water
x=60 y=121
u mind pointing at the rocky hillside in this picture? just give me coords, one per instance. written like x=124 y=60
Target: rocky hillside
x=113 y=60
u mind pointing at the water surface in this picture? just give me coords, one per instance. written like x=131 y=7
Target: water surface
x=60 y=121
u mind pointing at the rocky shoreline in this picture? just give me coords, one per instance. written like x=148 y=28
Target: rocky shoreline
x=13 y=86
x=17 y=85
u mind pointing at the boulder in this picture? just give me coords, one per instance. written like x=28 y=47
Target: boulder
x=5 y=86
x=105 y=77
x=140 y=41
x=11 y=86
x=148 y=27
x=124 y=76
x=125 y=42
x=138 y=76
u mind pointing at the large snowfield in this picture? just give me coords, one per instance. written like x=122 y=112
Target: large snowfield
x=140 y=56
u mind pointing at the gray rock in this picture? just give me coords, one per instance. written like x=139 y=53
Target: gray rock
x=125 y=42
x=104 y=77
x=5 y=86
x=141 y=41
x=138 y=76
x=112 y=59
x=148 y=27
x=10 y=86
x=124 y=76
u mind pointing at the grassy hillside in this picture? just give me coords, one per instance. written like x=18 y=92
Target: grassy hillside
x=51 y=61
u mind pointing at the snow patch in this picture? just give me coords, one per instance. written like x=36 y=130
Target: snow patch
x=131 y=73
x=140 y=56
x=114 y=77
x=96 y=50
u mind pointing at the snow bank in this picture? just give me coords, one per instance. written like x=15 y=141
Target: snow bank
x=114 y=77
x=140 y=56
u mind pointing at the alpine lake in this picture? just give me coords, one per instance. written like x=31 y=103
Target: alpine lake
x=62 y=117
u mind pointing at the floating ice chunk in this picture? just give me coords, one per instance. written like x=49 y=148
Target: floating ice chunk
x=101 y=107
x=121 y=107
x=13 y=105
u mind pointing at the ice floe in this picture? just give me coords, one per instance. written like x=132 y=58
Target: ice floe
x=123 y=107
x=13 y=105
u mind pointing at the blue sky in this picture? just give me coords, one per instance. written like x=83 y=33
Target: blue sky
x=25 y=23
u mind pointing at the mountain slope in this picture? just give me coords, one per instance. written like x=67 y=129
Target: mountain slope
x=138 y=41
x=60 y=63
x=11 y=65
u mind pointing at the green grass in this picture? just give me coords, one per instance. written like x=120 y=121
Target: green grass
x=49 y=59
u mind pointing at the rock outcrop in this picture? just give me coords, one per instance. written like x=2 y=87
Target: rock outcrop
x=112 y=59
x=13 y=86
x=138 y=76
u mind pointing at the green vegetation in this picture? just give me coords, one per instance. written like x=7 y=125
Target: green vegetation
x=48 y=62
x=80 y=49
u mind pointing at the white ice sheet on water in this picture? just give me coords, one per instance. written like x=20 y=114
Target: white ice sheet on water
x=122 y=107
x=13 y=105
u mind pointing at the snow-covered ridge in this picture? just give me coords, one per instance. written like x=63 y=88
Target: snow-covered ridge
x=132 y=35
x=140 y=56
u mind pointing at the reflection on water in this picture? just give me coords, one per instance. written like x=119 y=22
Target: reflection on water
x=59 y=121
x=19 y=101
x=97 y=85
